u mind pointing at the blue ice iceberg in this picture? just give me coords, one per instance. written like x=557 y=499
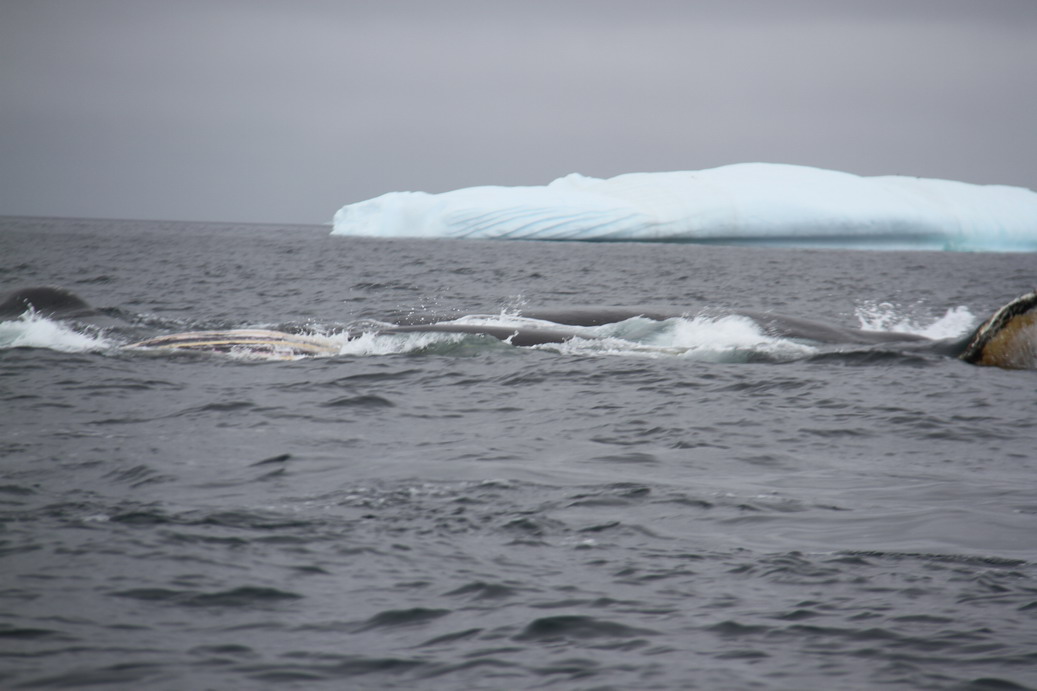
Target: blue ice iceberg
x=747 y=203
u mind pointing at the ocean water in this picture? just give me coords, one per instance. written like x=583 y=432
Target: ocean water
x=688 y=505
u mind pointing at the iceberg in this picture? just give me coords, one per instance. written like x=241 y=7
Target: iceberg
x=746 y=203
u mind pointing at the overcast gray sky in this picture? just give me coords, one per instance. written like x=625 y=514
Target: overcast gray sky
x=282 y=111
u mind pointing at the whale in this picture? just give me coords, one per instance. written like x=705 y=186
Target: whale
x=49 y=301
x=1006 y=339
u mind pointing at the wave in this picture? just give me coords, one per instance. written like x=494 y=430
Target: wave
x=745 y=204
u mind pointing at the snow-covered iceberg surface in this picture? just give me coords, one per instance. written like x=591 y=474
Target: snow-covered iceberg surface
x=746 y=203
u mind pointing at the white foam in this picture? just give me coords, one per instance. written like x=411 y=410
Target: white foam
x=758 y=203
x=885 y=316
x=32 y=330
x=371 y=343
x=725 y=339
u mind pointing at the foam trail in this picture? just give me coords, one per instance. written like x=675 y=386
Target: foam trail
x=748 y=203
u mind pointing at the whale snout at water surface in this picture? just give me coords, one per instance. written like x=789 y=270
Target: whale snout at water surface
x=47 y=301
x=1007 y=339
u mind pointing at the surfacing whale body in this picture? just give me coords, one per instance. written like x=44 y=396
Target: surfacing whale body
x=1007 y=339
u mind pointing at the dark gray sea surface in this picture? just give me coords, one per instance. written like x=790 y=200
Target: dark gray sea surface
x=699 y=508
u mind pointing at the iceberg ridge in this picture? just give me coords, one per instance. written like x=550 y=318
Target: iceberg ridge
x=747 y=203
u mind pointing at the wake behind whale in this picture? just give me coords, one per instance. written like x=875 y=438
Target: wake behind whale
x=1007 y=339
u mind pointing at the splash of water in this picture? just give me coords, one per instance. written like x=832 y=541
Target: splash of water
x=730 y=338
x=886 y=316
x=371 y=343
x=32 y=330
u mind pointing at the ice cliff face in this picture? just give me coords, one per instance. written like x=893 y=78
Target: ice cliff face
x=747 y=203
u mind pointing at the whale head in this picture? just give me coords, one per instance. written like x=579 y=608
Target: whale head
x=1008 y=338
x=48 y=301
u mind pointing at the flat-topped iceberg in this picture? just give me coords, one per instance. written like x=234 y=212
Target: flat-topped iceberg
x=746 y=203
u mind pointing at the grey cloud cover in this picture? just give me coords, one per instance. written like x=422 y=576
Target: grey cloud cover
x=245 y=110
